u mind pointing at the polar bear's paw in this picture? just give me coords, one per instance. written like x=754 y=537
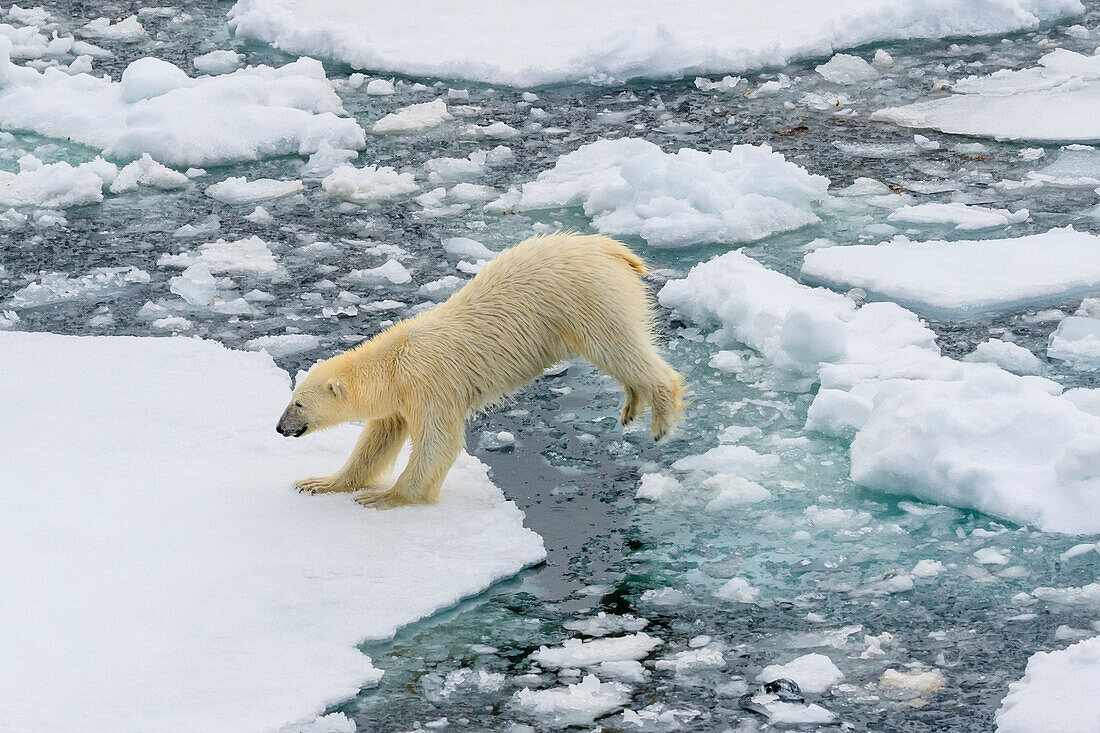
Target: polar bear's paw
x=323 y=485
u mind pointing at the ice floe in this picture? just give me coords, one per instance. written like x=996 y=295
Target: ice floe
x=1056 y=101
x=55 y=185
x=166 y=544
x=990 y=441
x=577 y=704
x=577 y=41
x=991 y=274
x=157 y=109
x=962 y=216
x=631 y=186
x=369 y=183
x=1057 y=693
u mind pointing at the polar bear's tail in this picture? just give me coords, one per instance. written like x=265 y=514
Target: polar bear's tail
x=633 y=261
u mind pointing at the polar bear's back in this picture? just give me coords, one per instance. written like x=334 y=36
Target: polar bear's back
x=531 y=307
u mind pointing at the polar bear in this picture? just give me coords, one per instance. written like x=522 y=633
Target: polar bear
x=544 y=300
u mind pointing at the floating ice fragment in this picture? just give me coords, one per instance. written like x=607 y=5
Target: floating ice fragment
x=814 y=673
x=414 y=118
x=238 y=190
x=368 y=184
x=1008 y=356
x=218 y=62
x=631 y=186
x=578 y=704
x=738 y=590
x=847 y=69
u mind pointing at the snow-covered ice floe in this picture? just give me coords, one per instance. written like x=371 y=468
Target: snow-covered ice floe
x=631 y=186
x=1057 y=693
x=180 y=121
x=524 y=44
x=1056 y=101
x=967 y=434
x=152 y=533
x=965 y=276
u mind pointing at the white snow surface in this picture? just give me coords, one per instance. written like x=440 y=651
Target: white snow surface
x=1057 y=693
x=524 y=44
x=631 y=186
x=157 y=109
x=250 y=255
x=981 y=275
x=154 y=535
x=1056 y=101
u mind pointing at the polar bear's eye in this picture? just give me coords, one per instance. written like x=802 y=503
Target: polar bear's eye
x=298 y=404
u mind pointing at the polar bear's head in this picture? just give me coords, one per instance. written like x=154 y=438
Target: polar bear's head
x=319 y=401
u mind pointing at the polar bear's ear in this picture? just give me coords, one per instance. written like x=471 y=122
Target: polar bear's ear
x=338 y=388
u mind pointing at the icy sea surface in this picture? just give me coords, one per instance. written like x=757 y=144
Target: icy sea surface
x=817 y=556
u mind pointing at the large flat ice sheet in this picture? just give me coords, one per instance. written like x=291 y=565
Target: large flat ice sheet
x=965 y=276
x=529 y=43
x=1057 y=101
x=158 y=572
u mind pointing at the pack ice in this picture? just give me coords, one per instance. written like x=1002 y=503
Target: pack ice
x=525 y=44
x=1056 y=101
x=965 y=276
x=966 y=434
x=157 y=109
x=151 y=535
x=631 y=186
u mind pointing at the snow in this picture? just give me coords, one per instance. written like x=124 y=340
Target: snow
x=250 y=255
x=578 y=653
x=962 y=216
x=630 y=186
x=218 y=62
x=380 y=88
x=813 y=673
x=990 y=441
x=1076 y=340
x=1057 y=693
x=157 y=109
x=965 y=276
x=1056 y=101
x=166 y=544
x=582 y=42
x=238 y=190
x=414 y=118
x=55 y=185
x=367 y=184
x=578 y=704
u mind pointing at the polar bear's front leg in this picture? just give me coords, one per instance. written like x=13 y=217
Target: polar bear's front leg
x=436 y=445
x=371 y=460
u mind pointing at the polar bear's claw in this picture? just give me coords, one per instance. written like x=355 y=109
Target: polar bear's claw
x=321 y=485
